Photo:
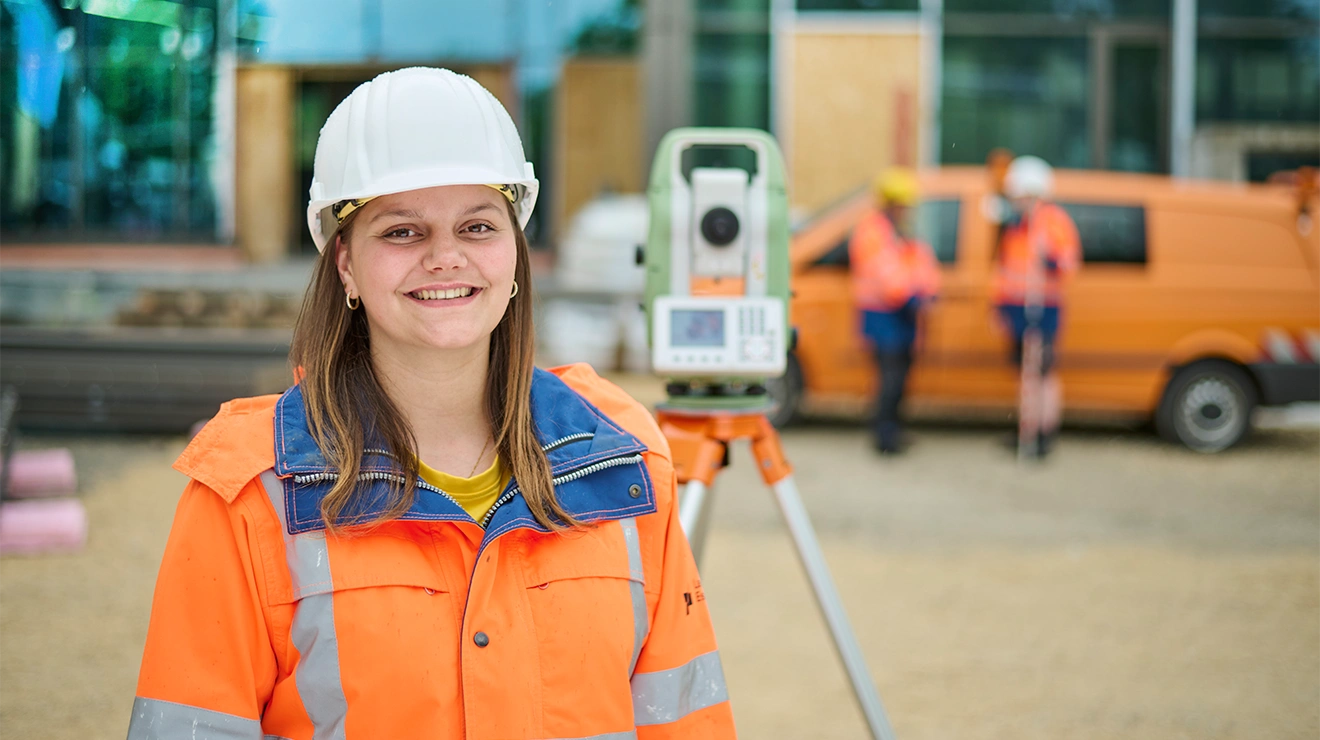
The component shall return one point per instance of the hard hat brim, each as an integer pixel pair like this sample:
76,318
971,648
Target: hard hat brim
324,227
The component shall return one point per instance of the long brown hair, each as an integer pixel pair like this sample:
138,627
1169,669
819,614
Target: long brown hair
346,404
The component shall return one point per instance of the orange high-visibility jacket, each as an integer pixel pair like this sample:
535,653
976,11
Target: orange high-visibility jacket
431,626
886,270
1057,242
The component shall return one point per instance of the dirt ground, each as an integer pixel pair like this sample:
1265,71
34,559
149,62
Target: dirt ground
1125,589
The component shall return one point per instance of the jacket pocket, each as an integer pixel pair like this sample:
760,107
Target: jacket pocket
588,607
369,617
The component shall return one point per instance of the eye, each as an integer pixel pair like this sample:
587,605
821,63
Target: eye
403,232
480,227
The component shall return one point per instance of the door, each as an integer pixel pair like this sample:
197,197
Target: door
975,369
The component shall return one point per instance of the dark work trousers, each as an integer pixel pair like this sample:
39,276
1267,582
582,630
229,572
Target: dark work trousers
887,422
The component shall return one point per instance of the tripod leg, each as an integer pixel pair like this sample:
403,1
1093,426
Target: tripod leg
813,561
1029,403
694,515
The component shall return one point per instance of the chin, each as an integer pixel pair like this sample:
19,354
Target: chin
453,341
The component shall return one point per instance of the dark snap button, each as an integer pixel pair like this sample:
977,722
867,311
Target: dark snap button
481,639
634,490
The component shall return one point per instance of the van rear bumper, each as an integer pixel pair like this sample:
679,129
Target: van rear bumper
1282,383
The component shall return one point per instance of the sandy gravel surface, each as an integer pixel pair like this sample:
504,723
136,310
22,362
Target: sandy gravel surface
1124,590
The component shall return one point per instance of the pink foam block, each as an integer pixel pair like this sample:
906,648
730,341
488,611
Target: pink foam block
42,473
50,525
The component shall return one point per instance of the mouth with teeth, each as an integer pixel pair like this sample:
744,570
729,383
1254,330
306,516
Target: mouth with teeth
452,294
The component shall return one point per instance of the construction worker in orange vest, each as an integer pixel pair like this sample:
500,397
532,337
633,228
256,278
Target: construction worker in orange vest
1038,251
427,536
894,278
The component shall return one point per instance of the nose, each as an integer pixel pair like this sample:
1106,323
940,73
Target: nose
444,252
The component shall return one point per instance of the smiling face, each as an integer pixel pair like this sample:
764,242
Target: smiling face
434,268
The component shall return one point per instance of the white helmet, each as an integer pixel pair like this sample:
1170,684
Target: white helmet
1029,177
411,129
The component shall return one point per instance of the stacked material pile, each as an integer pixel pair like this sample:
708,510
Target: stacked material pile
594,316
38,510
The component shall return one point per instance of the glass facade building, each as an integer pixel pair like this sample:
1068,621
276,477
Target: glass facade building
1086,83
118,118
107,118
731,63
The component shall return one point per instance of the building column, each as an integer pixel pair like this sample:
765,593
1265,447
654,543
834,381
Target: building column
932,82
224,118
667,51
1182,113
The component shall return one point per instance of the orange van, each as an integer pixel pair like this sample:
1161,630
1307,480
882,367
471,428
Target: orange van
1196,302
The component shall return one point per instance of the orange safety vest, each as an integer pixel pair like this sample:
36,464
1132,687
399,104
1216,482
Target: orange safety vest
431,625
886,270
1057,241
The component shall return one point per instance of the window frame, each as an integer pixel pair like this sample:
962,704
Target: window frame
1068,205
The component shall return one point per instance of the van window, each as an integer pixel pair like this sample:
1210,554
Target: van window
836,257
1110,234
937,225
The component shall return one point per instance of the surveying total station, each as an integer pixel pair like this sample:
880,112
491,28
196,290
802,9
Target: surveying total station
717,289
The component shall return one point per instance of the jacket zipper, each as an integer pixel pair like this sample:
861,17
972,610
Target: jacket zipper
508,495
396,478
568,477
371,475
565,440
572,475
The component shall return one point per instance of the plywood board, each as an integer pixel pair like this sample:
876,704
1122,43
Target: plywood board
598,133
854,107
265,227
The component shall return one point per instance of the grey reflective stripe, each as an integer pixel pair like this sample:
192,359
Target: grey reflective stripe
313,632
309,566
153,718
637,586
668,696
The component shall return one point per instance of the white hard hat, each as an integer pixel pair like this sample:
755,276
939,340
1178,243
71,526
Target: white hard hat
411,129
1029,177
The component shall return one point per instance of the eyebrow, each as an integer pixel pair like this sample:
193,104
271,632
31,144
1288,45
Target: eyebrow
478,209
412,214
399,212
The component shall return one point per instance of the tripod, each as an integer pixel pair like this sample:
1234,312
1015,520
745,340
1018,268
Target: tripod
699,437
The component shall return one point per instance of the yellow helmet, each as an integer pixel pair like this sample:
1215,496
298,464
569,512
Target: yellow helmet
896,186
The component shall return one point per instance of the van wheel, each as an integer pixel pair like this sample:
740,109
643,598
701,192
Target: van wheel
786,392
1207,406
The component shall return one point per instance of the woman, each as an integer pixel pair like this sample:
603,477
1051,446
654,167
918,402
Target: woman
340,565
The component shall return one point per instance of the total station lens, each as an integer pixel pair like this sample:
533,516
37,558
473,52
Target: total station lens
719,226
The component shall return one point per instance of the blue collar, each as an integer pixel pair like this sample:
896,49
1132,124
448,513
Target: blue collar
586,449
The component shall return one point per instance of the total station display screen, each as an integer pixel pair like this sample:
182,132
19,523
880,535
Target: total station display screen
689,328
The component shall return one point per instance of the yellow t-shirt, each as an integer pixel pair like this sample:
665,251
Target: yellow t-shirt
476,494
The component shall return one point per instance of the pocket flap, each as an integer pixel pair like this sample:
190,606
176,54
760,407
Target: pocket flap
597,552
389,556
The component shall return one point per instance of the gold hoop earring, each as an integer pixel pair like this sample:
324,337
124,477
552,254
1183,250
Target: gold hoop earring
515,289
348,298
